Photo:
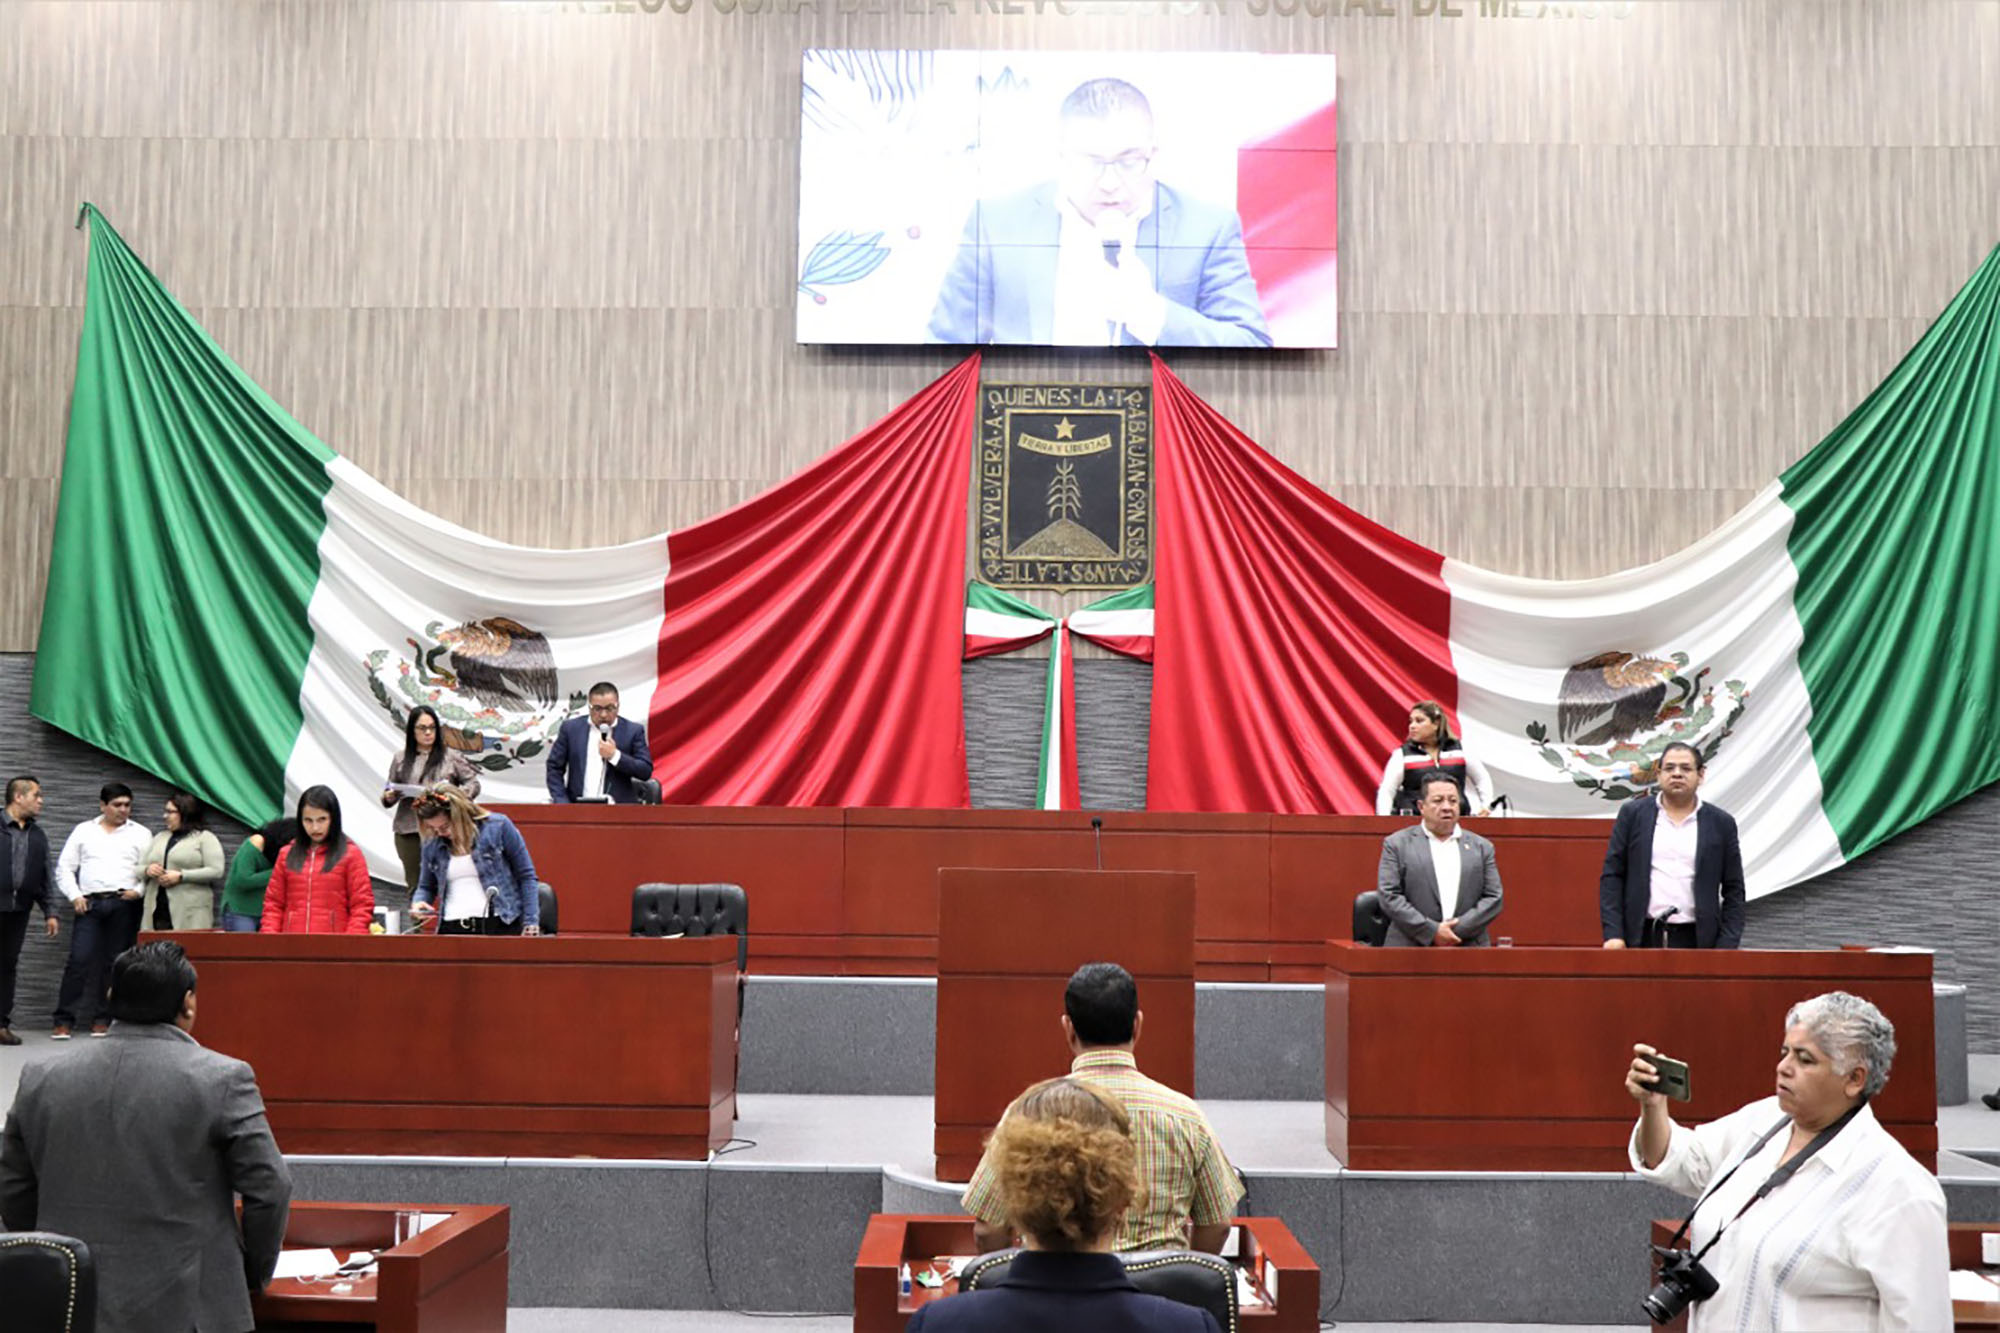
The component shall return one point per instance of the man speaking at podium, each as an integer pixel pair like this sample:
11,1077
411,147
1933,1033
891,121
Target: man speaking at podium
1673,874
600,757
1438,882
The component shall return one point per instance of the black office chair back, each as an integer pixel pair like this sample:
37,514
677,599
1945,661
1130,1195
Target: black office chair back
1371,923
1187,1276
547,897
694,909
49,1283
647,790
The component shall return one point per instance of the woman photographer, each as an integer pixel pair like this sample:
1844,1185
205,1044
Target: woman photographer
1853,1237
1067,1171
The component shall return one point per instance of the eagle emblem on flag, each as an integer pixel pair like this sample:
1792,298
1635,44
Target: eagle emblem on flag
1618,712
492,682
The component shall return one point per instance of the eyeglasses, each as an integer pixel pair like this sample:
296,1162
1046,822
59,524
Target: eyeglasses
604,708
1124,166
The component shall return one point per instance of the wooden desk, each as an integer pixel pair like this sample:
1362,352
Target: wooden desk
451,1278
1514,1059
854,892
551,1047
1290,1277
1008,941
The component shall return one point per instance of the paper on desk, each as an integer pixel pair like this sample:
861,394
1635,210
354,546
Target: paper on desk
306,1263
1967,1285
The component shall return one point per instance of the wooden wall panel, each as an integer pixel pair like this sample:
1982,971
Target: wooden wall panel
531,263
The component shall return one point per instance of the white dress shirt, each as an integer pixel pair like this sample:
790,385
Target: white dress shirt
1855,1240
99,860
599,771
1445,854
1673,864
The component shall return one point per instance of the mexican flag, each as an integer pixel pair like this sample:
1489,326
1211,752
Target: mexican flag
1833,650
237,608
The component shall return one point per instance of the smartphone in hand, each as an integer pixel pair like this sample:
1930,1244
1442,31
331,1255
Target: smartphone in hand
1673,1080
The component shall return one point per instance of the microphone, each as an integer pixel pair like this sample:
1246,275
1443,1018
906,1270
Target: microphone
604,731
1097,835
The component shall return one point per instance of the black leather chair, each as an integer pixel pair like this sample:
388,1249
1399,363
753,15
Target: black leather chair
648,791
1371,923
696,909
49,1283
1188,1276
547,898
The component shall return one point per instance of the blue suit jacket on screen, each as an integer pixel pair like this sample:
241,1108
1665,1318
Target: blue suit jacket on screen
576,742
1001,287
1061,1291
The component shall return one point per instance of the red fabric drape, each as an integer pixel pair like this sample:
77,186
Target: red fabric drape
1291,634
810,652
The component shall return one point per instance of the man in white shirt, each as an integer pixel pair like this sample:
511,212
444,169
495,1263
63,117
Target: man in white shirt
1673,872
100,873
1438,883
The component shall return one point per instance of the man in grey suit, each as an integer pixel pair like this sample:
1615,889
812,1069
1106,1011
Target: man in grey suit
138,1146
1438,883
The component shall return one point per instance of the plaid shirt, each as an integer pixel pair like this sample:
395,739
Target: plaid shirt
1183,1177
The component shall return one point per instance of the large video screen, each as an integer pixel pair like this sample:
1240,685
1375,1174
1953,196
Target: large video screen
1067,198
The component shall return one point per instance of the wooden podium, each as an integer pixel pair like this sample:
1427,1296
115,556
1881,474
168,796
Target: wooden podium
450,1278
1514,1059
1008,941
413,1045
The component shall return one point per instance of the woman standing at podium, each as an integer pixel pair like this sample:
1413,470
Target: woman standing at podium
476,873
1067,1170
424,761
1431,746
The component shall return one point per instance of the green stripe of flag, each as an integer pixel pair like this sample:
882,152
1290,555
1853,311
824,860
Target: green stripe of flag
175,632
1897,545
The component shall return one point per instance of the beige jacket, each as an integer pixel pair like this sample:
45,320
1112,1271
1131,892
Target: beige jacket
192,901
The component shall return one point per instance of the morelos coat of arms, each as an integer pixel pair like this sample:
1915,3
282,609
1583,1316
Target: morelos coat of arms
492,682
1619,711
1065,486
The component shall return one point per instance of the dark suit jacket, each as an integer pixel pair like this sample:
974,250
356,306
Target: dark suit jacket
137,1145
1001,287
576,744
38,885
1044,1290
1627,882
1407,883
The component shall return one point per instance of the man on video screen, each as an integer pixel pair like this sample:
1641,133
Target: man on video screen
1104,255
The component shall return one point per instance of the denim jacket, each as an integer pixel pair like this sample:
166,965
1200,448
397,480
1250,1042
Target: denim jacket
502,858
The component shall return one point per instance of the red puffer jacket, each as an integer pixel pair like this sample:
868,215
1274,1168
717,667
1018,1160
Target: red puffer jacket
315,900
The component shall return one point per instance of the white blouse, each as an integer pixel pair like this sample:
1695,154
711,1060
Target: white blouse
1854,1241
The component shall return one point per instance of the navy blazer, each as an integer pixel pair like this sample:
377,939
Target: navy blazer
1047,1290
1626,885
576,743
1001,286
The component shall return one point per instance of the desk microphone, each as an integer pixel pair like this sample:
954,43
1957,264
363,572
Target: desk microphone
1097,836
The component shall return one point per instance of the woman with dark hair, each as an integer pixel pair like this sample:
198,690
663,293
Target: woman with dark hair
250,873
1067,1171
424,762
1431,747
319,881
477,875
183,868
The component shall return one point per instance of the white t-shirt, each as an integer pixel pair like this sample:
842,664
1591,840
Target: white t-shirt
464,895
1854,1240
